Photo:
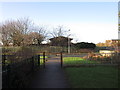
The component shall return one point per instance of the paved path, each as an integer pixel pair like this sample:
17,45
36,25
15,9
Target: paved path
50,77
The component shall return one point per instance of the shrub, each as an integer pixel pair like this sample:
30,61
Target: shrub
23,53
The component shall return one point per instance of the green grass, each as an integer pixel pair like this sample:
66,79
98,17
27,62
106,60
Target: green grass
41,59
78,60
93,77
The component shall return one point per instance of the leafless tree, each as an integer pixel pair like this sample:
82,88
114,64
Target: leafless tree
18,32
7,32
40,33
33,38
25,25
59,31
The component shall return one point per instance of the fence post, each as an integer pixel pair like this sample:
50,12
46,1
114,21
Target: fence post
44,59
32,63
111,57
61,58
3,60
38,60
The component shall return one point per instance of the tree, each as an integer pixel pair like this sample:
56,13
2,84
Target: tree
59,31
7,30
107,43
35,38
41,34
13,31
100,44
85,45
18,32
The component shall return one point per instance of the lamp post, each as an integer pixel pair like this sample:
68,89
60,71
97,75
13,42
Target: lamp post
69,42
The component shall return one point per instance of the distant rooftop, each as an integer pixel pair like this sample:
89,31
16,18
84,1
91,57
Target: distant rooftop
60,37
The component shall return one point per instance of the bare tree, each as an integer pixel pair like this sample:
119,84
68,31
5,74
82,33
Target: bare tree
11,33
41,33
59,31
7,31
25,25
18,32
34,38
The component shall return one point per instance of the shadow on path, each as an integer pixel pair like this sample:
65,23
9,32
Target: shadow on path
50,77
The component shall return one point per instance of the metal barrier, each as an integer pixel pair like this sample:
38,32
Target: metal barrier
14,73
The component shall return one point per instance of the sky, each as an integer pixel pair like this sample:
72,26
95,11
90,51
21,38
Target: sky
88,21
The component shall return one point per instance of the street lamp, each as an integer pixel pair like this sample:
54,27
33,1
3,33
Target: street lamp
69,42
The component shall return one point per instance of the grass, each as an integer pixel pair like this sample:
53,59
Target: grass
41,59
93,77
78,60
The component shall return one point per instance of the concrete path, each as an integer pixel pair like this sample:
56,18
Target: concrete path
51,77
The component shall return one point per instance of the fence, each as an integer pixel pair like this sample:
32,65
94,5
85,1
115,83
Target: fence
84,59
15,73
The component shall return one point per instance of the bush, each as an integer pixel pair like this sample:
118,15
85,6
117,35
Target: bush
17,54
116,58
85,45
9,50
85,50
22,54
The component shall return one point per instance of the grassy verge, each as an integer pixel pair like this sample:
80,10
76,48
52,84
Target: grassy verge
41,59
94,77
78,60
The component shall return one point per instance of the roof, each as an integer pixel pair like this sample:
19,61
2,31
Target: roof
60,37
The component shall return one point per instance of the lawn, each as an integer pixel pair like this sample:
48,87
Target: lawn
92,77
41,59
78,60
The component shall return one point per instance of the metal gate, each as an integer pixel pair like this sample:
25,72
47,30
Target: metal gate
52,57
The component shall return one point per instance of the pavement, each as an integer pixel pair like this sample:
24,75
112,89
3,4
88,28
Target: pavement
52,76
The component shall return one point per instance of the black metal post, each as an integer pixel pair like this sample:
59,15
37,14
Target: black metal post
38,60
44,59
3,59
61,58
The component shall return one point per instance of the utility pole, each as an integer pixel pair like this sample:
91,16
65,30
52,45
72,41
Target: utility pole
69,43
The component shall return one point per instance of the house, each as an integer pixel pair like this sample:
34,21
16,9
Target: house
113,44
116,44
60,41
106,52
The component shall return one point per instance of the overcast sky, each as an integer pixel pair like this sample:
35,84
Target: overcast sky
88,21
